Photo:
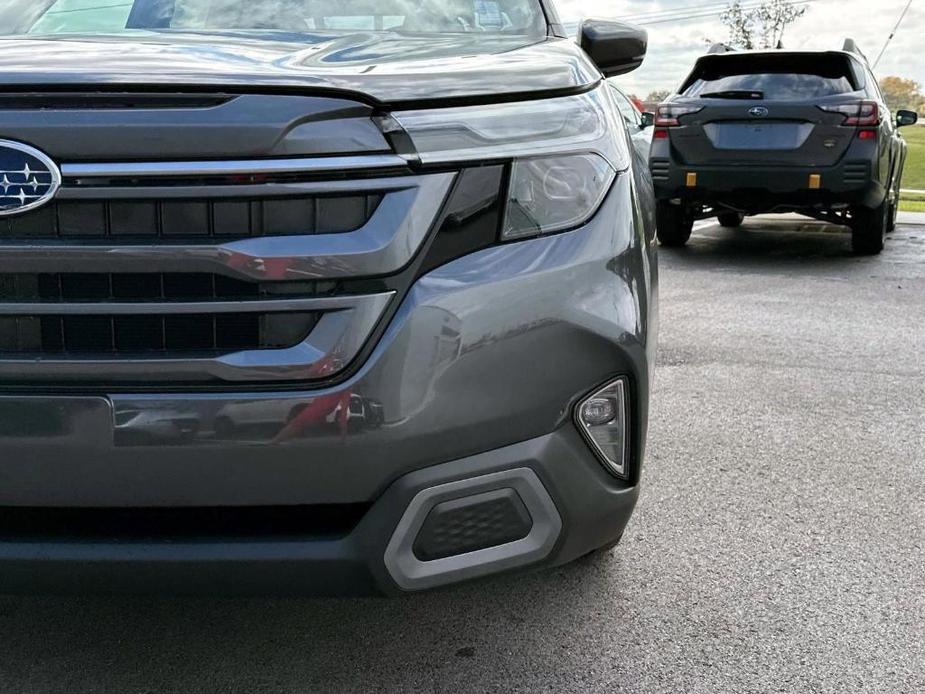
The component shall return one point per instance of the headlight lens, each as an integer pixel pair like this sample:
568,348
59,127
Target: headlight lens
554,193
565,153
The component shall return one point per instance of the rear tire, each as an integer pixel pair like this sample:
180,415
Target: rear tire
894,208
730,220
869,227
674,224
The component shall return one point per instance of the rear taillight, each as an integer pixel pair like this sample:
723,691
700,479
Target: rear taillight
864,113
668,115
867,135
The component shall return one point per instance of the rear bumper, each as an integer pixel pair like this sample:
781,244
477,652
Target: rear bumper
590,507
484,353
762,189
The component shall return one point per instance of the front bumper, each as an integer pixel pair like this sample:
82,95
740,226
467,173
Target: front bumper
594,511
485,352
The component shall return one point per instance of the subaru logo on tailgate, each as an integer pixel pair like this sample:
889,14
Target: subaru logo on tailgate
28,179
758,112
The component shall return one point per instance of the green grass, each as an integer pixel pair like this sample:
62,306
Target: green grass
912,202
914,177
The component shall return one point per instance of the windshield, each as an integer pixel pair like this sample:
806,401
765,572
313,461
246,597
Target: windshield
43,17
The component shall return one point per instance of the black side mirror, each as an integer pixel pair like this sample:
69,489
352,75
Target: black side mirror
648,119
616,48
904,118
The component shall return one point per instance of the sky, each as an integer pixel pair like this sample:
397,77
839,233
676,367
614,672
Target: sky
673,46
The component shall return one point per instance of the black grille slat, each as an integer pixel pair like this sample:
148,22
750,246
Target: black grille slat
155,272
162,335
69,287
192,220
139,334
150,334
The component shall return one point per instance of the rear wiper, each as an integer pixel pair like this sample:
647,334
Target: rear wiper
733,94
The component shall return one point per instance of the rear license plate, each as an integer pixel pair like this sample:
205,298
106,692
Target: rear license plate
758,136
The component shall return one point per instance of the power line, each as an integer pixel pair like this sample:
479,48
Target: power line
701,12
693,15
892,33
717,6
697,12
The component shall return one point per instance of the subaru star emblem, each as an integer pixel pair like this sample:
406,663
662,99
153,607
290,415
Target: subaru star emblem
758,112
28,178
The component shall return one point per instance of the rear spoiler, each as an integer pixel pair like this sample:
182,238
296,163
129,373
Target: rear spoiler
851,46
720,48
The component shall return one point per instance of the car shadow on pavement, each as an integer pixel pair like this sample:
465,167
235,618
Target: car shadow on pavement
770,243
467,638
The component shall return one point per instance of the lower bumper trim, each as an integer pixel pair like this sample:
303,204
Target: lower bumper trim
575,507
410,573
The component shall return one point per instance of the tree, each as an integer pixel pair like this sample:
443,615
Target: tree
761,27
902,93
658,96
741,26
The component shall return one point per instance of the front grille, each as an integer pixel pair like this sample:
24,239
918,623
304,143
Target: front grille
177,335
209,273
150,287
103,334
178,220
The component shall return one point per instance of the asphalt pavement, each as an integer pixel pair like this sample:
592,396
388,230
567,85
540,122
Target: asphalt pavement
779,544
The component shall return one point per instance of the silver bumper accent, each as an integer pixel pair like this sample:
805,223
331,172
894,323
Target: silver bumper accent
384,245
314,165
329,348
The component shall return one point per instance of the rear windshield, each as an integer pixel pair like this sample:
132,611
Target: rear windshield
773,77
42,17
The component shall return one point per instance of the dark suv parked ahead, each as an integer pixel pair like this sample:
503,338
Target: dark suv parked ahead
779,131
315,295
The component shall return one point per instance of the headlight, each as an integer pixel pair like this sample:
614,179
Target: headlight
565,153
555,193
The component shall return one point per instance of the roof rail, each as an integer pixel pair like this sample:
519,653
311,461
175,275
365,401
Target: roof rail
720,48
851,46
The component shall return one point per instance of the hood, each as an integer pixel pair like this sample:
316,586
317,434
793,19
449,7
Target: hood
384,67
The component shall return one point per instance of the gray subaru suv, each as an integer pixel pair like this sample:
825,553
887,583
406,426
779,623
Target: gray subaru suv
315,296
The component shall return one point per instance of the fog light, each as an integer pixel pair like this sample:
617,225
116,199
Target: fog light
598,412
602,420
